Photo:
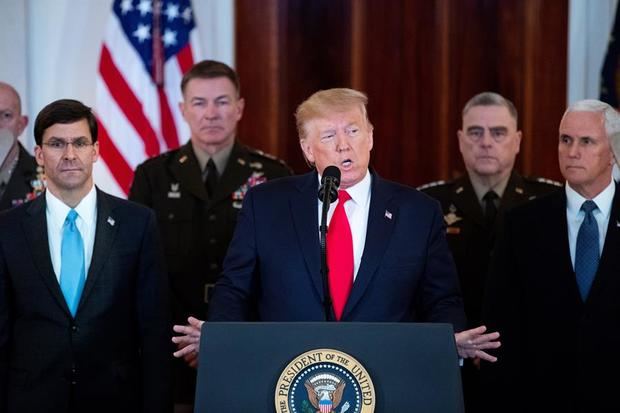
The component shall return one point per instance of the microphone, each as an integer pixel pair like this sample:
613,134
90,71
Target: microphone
330,181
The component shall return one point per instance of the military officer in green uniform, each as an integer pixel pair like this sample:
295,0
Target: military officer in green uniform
21,180
197,192
473,204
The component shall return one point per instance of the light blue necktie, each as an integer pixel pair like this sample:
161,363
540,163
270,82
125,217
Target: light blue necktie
587,251
72,272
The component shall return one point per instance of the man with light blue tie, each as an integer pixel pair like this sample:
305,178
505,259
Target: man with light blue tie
555,284
84,315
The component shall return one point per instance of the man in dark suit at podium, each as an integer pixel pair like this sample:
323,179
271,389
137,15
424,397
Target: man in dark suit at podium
555,278
392,260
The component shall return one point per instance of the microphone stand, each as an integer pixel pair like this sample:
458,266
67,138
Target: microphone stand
327,298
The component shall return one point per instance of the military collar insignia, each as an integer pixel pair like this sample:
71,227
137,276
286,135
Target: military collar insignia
182,159
459,190
111,221
519,190
241,161
174,192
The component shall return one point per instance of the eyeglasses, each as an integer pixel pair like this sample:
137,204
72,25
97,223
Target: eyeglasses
59,145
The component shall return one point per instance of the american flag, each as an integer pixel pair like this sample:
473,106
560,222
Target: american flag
147,46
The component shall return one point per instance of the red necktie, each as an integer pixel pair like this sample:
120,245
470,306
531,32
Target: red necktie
340,256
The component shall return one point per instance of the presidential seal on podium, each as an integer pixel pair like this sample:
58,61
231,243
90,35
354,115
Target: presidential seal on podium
324,381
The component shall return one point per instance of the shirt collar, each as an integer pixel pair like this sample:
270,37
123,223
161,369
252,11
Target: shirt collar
603,200
220,159
86,209
480,189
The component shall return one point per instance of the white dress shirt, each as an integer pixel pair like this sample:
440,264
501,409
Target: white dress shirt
357,209
575,216
56,212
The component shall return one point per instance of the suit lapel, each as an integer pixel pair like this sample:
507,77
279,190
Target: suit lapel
465,200
105,232
513,194
609,264
381,217
555,239
35,229
185,168
305,220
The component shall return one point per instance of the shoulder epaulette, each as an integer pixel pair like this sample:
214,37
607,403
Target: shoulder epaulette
431,185
546,181
265,155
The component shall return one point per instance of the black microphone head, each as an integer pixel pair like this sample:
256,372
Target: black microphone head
331,180
331,172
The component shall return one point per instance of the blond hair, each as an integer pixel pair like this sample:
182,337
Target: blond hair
323,102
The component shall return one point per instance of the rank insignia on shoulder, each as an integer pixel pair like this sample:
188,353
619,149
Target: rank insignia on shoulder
548,181
430,185
453,230
174,192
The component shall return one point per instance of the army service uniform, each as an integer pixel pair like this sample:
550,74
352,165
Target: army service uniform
471,244
196,230
26,181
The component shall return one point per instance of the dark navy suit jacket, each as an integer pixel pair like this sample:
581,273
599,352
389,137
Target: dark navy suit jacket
406,273
559,353
114,355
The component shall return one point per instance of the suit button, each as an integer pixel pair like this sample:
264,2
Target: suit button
213,266
75,328
171,216
212,217
212,241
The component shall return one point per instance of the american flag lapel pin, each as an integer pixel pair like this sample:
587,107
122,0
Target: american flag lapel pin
111,221
388,214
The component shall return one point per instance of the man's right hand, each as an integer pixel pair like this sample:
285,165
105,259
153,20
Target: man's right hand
188,343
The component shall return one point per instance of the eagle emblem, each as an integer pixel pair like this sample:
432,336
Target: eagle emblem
325,392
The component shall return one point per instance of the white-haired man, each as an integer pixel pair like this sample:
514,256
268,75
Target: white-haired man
554,281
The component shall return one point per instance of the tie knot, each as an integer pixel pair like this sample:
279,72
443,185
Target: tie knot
589,206
343,196
211,167
71,216
490,196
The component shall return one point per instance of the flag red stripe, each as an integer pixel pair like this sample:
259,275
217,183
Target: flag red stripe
185,58
117,165
168,128
127,101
